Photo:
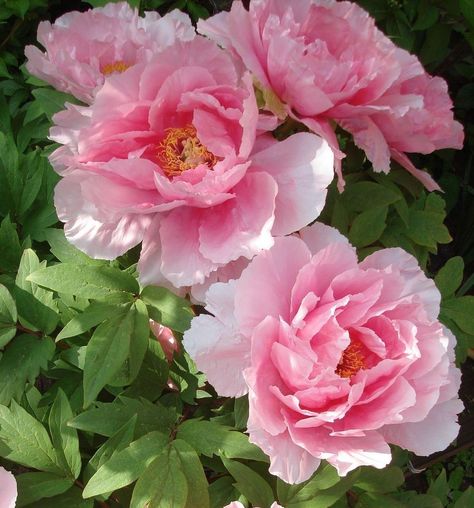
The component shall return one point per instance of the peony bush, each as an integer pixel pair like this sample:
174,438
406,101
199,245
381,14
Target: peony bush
220,283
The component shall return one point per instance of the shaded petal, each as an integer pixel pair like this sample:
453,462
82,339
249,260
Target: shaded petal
182,263
240,226
264,287
302,166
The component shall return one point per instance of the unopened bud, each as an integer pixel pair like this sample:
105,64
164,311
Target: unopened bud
166,339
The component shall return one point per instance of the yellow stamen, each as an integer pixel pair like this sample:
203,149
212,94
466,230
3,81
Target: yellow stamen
181,150
112,68
352,360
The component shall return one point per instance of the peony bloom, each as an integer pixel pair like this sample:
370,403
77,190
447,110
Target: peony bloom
324,61
8,489
166,339
82,48
339,358
168,155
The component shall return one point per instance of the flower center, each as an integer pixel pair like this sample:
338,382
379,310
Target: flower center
112,68
352,360
181,150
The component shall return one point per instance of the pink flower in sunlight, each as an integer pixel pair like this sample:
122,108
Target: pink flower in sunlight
339,358
8,489
324,61
82,48
173,153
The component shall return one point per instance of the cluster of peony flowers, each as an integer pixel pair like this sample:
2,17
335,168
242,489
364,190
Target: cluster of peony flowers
173,149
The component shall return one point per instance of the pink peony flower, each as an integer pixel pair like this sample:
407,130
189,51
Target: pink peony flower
339,358
168,154
166,338
324,60
8,489
82,48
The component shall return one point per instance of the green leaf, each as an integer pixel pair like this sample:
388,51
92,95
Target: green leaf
428,15
117,442
449,278
38,220
64,438
324,478
241,412
94,314
24,440
427,228
363,196
107,418
125,466
138,345
196,11
368,227
10,249
66,252
33,166
35,486
436,44
461,311
162,485
467,9
424,501
70,499
466,500
11,182
153,374
123,337
210,438
374,500
249,483
51,101
34,314
380,480
222,492
167,308
198,495
439,488
8,316
21,362
37,307
96,282
327,497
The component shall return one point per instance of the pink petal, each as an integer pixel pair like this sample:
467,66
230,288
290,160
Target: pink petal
240,226
416,284
219,353
302,166
100,233
182,263
435,433
8,489
264,287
